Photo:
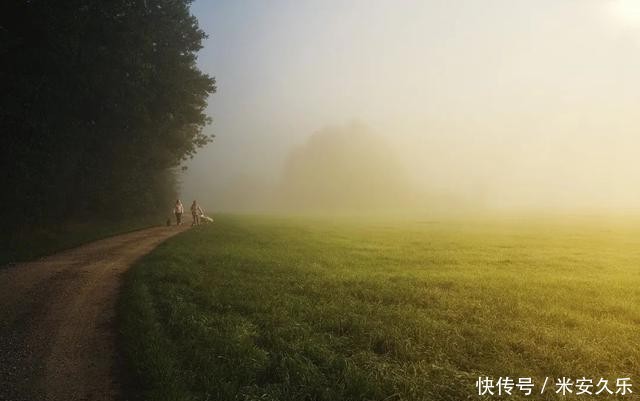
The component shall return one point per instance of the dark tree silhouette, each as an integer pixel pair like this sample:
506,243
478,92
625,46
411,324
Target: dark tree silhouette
100,101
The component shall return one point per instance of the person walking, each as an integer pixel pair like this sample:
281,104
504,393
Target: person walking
178,210
196,212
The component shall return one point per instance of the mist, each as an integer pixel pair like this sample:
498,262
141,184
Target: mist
384,105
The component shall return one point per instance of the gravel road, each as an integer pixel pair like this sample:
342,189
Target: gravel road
57,315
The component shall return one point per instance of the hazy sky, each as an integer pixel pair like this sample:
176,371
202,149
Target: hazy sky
509,103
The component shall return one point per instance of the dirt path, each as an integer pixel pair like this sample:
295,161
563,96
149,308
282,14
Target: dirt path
57,334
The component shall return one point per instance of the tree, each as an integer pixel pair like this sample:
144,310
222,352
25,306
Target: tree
100,102
347,168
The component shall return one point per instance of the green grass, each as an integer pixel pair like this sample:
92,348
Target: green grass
33,242
257,308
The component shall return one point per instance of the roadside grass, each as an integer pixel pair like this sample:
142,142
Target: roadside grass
34,242
266,308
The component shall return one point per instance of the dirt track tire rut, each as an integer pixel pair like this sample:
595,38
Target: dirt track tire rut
57,320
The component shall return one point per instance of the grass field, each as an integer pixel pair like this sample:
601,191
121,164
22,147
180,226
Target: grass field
260,308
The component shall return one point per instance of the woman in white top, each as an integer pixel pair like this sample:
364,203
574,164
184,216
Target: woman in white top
196,212
178,210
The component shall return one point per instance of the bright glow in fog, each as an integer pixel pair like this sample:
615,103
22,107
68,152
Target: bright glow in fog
497,104
627,11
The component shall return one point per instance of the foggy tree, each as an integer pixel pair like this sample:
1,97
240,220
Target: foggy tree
100,102
345,167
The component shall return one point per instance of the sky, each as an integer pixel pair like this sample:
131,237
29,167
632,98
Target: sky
516,104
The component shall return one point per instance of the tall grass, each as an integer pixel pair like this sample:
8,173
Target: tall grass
255,308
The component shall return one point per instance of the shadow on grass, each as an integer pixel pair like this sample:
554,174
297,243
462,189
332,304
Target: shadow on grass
33,242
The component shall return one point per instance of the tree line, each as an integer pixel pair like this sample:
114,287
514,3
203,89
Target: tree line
101,104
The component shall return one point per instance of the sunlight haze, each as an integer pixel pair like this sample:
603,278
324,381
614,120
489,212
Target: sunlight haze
498,104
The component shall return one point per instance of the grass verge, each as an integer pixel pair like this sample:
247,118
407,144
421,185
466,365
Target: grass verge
35,242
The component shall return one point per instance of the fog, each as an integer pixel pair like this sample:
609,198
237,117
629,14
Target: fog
382,105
